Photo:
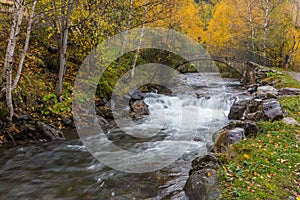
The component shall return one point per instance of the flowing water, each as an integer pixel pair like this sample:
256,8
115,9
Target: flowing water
66,170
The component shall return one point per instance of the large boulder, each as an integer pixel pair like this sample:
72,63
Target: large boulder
272,110
136,96
138,108
237,109
202,183
250,127
224,138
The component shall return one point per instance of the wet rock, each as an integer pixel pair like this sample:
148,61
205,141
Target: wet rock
236,135
289,91
252,88
50,131
290,121
272,110
267,90
136,96
202,183
199,95
256,116
237,109
249,126
138,110
209,146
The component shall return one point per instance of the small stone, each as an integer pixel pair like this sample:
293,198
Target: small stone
267,90
290,121
289,91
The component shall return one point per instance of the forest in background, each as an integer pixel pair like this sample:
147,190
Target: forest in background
43,43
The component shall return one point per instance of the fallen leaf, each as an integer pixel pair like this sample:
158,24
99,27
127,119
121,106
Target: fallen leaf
246,156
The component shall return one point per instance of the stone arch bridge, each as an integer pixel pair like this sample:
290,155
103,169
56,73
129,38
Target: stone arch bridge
244,62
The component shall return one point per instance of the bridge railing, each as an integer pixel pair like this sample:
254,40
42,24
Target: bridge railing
241,55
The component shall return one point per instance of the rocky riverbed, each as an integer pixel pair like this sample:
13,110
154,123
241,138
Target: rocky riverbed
262,106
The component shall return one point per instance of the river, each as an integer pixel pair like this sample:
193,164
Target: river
66,170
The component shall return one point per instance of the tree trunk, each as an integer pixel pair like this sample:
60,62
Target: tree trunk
65,17
265,28
17,78
8,63
250,18
140,41
296,25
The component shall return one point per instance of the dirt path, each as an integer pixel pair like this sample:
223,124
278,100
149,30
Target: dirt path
295,75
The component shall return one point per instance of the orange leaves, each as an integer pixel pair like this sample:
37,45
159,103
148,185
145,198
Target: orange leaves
14,128
2,139
208,174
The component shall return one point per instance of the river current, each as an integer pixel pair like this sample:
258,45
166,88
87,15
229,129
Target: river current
66,170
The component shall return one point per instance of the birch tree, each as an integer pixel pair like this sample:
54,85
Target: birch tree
294,32
268,7
140,40
7,76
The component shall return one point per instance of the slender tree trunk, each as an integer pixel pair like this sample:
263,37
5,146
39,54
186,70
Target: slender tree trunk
65,17
17,78
8,63
296,25
140,40
14,31
249,10
265,28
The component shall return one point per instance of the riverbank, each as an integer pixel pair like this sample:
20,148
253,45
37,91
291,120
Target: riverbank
266,166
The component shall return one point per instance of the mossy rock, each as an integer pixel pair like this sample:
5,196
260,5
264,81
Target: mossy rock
222,142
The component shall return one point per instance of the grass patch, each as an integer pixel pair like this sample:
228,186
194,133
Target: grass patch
292,105
268,166
283,79
265,167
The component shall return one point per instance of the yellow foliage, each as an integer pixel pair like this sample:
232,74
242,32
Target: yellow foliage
183,16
